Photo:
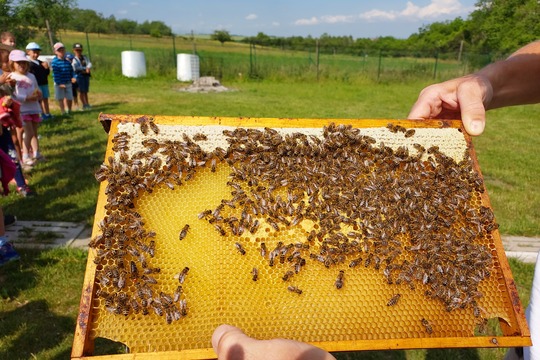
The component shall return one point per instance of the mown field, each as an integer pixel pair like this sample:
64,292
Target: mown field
40,294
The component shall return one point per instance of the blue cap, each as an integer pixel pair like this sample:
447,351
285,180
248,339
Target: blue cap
33,46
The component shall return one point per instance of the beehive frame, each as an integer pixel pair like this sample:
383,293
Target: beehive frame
514,327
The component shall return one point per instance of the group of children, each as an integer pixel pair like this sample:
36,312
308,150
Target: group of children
24,104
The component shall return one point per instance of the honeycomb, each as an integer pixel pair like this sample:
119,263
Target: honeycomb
356,280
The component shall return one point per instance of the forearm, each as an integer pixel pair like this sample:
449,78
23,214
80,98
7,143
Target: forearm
515,81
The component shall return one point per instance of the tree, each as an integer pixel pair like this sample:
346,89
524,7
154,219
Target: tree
52,15
36,12
221,36
502,26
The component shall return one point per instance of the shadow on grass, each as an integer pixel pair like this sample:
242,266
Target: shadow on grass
429,354
27,323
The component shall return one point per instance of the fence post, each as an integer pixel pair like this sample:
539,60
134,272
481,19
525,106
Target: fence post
174,49
88,46
380,65
317,58
436,64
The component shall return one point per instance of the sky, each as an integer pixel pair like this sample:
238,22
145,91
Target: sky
359,19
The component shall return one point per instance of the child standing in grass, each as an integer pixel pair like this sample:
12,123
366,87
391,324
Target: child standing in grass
28,94
63,78
41,71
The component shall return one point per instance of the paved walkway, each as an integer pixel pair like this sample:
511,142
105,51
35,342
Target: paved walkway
49,234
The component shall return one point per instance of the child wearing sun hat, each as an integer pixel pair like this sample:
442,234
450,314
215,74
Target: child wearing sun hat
41,71
28,94
63,77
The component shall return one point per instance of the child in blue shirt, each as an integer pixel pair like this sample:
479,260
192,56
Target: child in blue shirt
63,77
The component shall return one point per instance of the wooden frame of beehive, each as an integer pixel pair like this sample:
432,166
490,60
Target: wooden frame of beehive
514,327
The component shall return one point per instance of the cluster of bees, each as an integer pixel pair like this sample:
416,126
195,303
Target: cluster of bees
414,215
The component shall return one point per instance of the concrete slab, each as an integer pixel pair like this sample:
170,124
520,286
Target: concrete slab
49,234
43,234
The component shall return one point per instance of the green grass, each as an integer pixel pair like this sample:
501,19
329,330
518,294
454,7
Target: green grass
39,296
75,147
39,299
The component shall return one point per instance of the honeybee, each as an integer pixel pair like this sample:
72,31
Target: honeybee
133,270
204,214
427,326
368,260
135,305
183,232
220,230
177,293
121,280
355,262
409,133
288,275
144,128
200,137
255,273
272,223
393,300
254,226
183,307
339,280
168,316
157,308
264,251
294,289
240,248
181,276
148,279
153,126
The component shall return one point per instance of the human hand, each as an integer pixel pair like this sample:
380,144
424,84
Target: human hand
463,98
45,64
7,101
6,78
230,342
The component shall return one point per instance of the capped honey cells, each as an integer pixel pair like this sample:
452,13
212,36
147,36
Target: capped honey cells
303,214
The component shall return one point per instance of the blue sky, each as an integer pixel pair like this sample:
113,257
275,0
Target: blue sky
398,18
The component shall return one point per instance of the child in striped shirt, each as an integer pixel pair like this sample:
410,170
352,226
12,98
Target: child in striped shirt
63,77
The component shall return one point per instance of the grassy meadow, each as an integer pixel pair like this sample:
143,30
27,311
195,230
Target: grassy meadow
39,296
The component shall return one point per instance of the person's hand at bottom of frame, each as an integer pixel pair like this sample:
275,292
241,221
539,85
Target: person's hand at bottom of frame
230,343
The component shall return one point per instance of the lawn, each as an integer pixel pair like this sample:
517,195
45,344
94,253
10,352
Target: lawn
39,295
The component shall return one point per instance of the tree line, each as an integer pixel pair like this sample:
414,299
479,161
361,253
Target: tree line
495,27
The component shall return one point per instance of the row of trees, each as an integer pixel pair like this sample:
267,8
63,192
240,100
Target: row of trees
496,26
26,18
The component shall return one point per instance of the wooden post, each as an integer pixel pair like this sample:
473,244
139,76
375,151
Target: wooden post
50,33
317,58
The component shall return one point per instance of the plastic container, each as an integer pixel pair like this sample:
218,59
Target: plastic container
133,64
187,67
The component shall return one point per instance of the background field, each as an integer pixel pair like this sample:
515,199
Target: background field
42,291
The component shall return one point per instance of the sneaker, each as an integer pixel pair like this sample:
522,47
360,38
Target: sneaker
7,253
39,158
28,162
46,117
25,191
9,220
87,107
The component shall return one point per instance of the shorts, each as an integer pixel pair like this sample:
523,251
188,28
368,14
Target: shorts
31,118
84,83
45,91
63,93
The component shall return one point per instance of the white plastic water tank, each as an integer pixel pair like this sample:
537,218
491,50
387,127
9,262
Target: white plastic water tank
187,67
133,64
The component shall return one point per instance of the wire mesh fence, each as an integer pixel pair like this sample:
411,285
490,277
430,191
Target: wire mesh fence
234,60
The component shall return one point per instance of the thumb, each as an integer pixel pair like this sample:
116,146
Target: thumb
471,97
224,338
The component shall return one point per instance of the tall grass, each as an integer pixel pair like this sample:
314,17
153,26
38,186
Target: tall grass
233,61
